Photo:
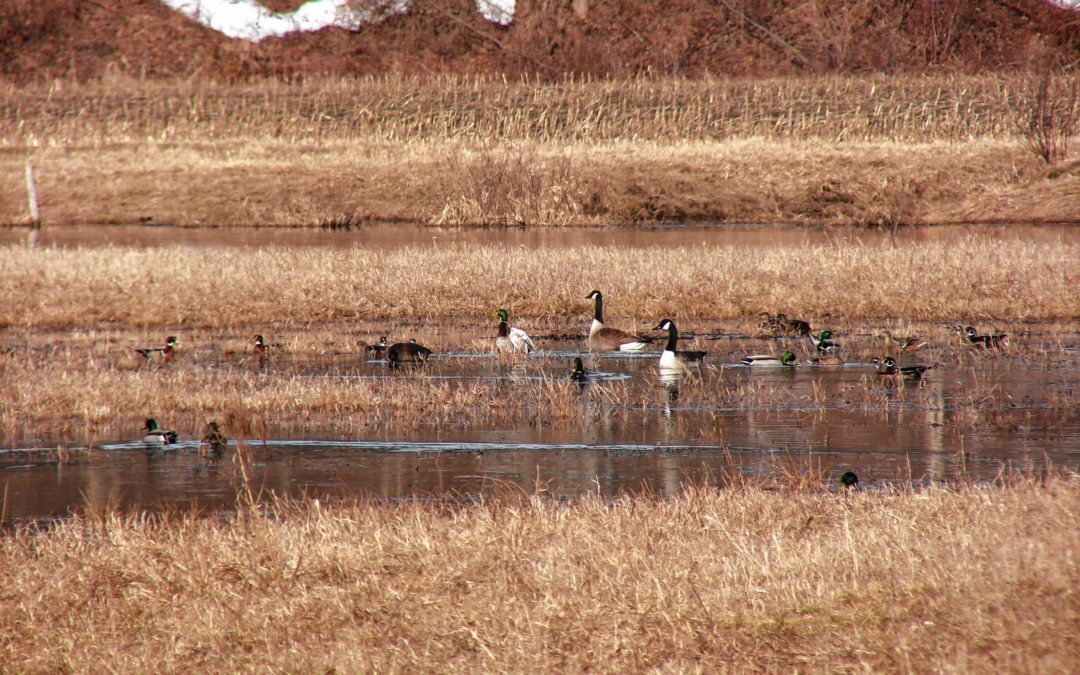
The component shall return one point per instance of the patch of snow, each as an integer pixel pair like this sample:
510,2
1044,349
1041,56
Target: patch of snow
250,20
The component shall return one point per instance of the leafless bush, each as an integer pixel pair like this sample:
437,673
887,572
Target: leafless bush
1052,119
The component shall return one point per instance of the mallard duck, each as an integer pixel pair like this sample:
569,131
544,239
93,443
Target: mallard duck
787,359
611,339
673,357
791,326
407,352
166,352
832,360
155,436
511,339
823,343
579,374
849,480
900,343
887,367
213,439
988,341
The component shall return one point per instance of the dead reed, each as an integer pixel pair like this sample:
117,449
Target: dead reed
976,579
174,287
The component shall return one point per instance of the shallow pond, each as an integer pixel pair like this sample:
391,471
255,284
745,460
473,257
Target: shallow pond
632,428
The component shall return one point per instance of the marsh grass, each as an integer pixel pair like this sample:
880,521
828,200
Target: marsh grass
972,276
743,578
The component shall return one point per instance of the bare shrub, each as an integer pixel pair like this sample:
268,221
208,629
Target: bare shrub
1051,121
515,187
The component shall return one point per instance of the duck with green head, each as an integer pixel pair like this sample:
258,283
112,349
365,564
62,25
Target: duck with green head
785,360
823,343
157,437
511,339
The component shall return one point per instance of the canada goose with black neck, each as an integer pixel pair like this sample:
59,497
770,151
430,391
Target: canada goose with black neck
611,339
672,357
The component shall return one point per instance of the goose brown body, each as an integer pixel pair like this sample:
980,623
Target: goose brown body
606,338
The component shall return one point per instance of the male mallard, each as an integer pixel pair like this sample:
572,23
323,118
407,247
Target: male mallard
672,357
511,339
407,352
611,339
155,436
900,343
988,341
823,343
849,480
887,367
579,374
213,439
166,352
791,326
787,359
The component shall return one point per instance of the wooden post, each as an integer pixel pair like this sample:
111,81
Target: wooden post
31,195
34,238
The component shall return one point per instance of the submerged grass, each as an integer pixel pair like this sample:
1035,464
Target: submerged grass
975,579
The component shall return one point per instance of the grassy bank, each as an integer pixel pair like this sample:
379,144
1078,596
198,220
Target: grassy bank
978,579
176,287
870,151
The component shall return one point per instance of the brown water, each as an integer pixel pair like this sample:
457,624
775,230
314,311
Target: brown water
975,416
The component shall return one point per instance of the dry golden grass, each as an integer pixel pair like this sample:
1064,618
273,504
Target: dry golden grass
981,579
173,288
869,151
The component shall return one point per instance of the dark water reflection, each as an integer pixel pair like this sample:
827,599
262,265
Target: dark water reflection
968,421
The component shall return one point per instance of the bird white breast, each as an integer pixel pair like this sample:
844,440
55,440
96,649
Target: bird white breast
596,325
668,359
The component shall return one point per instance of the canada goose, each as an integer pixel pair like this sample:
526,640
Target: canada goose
768,360
511,339
988,341
155,436
611,339
213,440
791,326
900,343
672,357
165,353
887,367
407,352
823,343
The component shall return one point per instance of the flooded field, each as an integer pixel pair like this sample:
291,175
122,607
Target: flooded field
484,424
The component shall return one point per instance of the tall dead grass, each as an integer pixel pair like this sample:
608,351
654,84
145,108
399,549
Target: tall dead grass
173,287
977,579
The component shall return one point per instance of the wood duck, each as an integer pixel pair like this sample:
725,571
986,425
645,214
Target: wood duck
261,347
377,350
887,366
900,343
787,359
155,436
988,341
511,339
611,339
165,353
673,357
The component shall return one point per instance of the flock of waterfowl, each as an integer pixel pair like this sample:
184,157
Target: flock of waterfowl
510,339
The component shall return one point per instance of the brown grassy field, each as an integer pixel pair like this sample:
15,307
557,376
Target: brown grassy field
877,151
977,579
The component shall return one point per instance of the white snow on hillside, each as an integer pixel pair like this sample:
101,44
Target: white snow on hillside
250,20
